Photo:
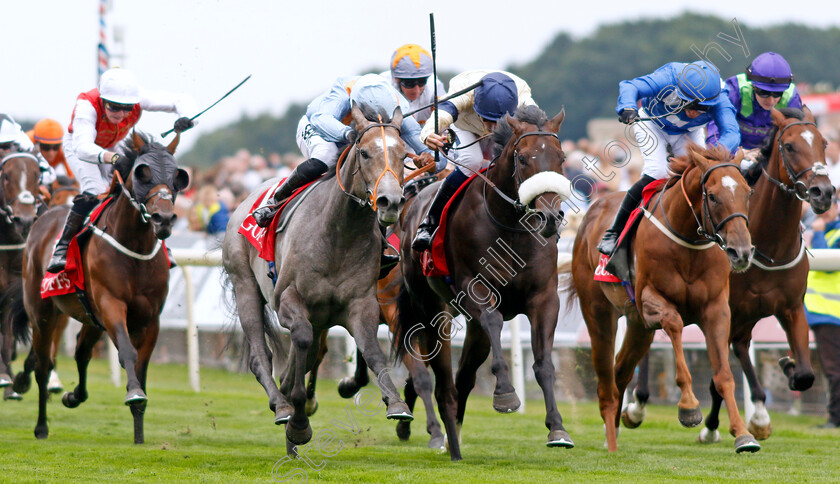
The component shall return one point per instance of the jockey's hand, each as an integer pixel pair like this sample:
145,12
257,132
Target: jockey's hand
182,124
752,155
435,141
424,159
110,157
628,116
351,135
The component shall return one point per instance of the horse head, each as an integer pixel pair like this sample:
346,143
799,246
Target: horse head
533,159
800,148
724,203
154,181
19,191
378,155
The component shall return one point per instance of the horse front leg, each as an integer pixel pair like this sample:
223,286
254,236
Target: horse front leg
800,373
114,313
759,424
419,383
542,313
293,315
6,349
41,345
634,348
715,326
145,345
657,311
311,399
85,341
363,321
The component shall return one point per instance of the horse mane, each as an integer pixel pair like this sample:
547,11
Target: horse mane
372,114
767,144
530,114
677,165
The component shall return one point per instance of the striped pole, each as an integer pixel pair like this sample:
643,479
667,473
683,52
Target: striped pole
104,57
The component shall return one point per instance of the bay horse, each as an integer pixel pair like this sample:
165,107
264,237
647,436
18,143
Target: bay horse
678,280
794,171
327,264
20,202
126,276
501,251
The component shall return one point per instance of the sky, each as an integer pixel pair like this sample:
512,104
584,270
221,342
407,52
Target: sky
295,49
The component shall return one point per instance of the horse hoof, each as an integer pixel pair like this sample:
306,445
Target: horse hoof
283,414
5,380
298,436
760,432
135,397
54,384
22,383
746,443
404,430
399,411
691,417
437,443
12,395
69,400
311,406
628,421
41,432
347,387
708,436
506,402
559,438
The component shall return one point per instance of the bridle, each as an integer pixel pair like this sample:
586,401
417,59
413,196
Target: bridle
706,239
371,193
25,197
164,193
799,188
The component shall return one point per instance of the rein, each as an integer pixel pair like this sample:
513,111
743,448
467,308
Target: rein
371,201
799,188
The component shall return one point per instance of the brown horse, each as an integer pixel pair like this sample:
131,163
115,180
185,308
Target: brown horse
20,201
678,281
502,255
126,276
793,158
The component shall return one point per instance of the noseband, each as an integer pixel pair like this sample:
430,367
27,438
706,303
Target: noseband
371,194
162,193
799,189
25,197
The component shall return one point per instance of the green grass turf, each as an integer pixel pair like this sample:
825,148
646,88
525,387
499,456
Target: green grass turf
226,434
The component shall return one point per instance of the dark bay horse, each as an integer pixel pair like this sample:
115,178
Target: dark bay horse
327,264
20,201
126,276
502,255
678,280
793,158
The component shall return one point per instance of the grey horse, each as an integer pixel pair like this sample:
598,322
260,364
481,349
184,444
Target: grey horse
326,262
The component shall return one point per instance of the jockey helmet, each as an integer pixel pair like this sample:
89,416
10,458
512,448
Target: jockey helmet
496,96
9,129
771,72
377,93
48,131
119,86
411,61
699,81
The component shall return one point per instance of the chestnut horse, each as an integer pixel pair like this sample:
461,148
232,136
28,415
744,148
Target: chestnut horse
678,280
327,263
794,170
126,276
502,255
19,206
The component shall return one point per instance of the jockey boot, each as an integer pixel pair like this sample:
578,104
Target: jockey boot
423,239
82,205
630,202
304,173
387,262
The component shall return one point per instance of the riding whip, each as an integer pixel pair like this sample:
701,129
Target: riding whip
434,72
445,98
163,135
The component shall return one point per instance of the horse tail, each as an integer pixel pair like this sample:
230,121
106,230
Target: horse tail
13,312
567,284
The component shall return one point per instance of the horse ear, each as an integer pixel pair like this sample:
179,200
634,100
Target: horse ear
182,179
738,157
809,116
174,144
397,118
143,173
513,123
359,117
695,154
137,140
554,125
778,117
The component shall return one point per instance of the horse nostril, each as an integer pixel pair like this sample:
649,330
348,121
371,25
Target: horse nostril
383,202
157,218
815,193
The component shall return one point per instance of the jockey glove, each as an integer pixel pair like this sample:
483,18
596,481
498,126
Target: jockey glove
182,124
351,135
628,116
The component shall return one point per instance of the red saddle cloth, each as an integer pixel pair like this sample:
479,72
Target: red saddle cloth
601,273
72,279
434,259
262,238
